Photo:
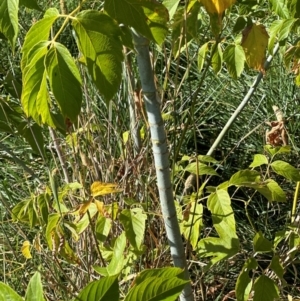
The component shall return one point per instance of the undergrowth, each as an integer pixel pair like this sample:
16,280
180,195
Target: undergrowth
98,147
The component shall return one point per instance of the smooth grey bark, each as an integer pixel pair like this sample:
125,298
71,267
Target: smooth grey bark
161,159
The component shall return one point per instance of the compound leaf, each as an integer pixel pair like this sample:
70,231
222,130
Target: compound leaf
9,20
149,18
65,81
98,38
234,57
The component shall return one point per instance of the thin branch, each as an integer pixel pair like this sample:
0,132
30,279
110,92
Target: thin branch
243,103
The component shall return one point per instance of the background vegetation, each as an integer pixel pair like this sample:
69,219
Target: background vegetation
46,171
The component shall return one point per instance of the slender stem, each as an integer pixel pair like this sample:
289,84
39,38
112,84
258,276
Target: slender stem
243,103
161,159
68,17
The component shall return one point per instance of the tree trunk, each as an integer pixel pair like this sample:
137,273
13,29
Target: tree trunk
161,159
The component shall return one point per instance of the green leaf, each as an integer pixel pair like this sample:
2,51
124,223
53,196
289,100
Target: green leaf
277,267
65,81
165,273
294,7
282,28
271,190
234,57
202,55
103,226
285,29
101,290
259,160
294,243
43,201
297,80
34,291
84,222
99,42
277,150
280,8
32,4
134,222
171,6
243,177
37,33
217,249
200,169
240,24
155,288
35,99
219,204
286,170
25,211
19,212
126,37
279,236
217,59
117,262
8,294
244,282
192,227
261,244
265,289
224,223
207,159
73,230
149,18
67,252
9,20
53,221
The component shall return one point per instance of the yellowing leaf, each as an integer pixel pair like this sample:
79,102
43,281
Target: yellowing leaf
202,56
100,188
125,136
217,6
37,244
100,207
255,42
83,208
26,249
